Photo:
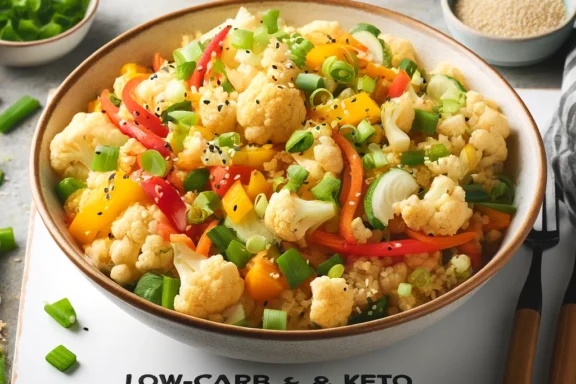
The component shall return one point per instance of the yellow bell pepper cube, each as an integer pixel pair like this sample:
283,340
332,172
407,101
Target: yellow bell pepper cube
348,111
468,158
134,69
94,106
319,53
377,70
254,157
205,132
236,202
257,185
103,207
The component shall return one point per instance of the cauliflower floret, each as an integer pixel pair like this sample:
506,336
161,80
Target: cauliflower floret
453,144
449,166
422,260
241,77
72,204
321,31
391,277
492,145
119,84
270,112
191,157
360,232
218,110
452,126
152,91
442,211
451,70
328,154
243,20
129,155
483,114
289,217
400,48
99,254
71,150
278,68
209,285
406,112
332,302
157,255
324,156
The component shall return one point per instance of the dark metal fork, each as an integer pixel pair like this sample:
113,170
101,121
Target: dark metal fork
543,236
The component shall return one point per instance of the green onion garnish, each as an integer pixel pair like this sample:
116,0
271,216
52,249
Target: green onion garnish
409,66
191,52
296,177
17,112
299,48
261,39
338,70
149,287
404,289
424,122
185,105
260,205
475,193
281,35
185,118
170,288
67,187
320,96
185,70
235,315
242,38
419,278
228,139
412,158
376,158
365,27
62,311
438,151
366,84
299,141
105,158
364,131
325,267
153,162
61,358
7,241
294,267
506,208
309,82
208,201
336,271
504,192
256,243
221,237
327,189
374,310
276,182
197,215
237,253
196,180
1,177
274,319
346,93
116,101
270,20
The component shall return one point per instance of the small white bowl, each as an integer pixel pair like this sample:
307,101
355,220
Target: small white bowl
510,51
37,52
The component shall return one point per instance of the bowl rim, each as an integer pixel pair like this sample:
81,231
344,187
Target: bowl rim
87,17
449,14
97,277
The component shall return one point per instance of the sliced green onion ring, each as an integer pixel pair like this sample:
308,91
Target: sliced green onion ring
221,237
196,180
364,131
404,289
242,39
238,254
336,271
327,189
413,158
424,121
62,311
270,20
376,158
320,96
420,277
274,319
409,66
7,240
260,205
149,287
61,358
261,39
170,288
105,158
299,141
296,177
294,267
366,84
67,187
325,267
256,243
309,82
438,151
346,93
153,162
208,201
228,139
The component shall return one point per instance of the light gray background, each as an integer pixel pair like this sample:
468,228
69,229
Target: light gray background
113,18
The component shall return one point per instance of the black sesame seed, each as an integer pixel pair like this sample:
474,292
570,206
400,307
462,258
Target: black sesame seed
257,101
248,51
98,152
389,248
335,106
99,213
206,159
106,190
274,66
235,208
206,102
366,110
274,78
86,329
136,113
353,100
277,45
220,106
266,303
466,118
110,235
185,94
125,177
227,102
103,111
112,176
137,123
223,161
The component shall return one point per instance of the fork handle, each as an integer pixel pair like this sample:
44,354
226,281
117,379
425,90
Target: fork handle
564,358
522,347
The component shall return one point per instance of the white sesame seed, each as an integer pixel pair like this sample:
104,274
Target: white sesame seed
351,203
358,194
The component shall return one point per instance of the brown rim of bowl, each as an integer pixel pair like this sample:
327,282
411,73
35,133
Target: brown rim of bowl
88,16
503,255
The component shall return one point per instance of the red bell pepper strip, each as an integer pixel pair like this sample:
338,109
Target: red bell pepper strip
474,251
399,84
157,62
141,115
445,241
143,135
197,78
222,178
167,199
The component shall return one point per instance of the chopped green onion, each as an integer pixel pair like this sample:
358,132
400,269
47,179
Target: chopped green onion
7,241
451,106
338,70
196,180
366,84
365,27
346,93
61,358
281,35
242,38
228,139
438,151
170,288
270,20
364,131
185,118
506,208
237,253
185,105
1,177
294,267
197,215
326,266
105,158
185,70
475,193
221,237
336,271
62,311
256,243
387,54
349,132
67,187
299,48
374,310
327,189
408,66
299,141
2,367
320,96
375,159
276,182
274,319
149,287
116,101
420,277
208,201
191,52
235,315
153,162
296,177
261,39
404,289
504,192
260,205
424,122
17,112
309,82
412,158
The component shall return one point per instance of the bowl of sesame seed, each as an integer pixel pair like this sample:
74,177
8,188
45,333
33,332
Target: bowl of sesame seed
510,32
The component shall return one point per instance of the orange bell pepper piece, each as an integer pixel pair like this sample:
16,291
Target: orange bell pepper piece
319,53
254,158
204,244
236,202
348,39
264,281
498,220
444,241
377,70
348,111
474,250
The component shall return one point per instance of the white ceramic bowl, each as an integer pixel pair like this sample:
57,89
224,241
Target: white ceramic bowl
163,35
510,51
37,52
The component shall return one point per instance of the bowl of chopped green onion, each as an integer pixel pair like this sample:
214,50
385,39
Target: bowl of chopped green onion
35,32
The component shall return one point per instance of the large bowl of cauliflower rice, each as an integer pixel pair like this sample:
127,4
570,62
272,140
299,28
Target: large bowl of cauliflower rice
275,185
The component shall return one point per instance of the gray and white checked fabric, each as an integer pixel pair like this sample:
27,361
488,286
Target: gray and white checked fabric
560,139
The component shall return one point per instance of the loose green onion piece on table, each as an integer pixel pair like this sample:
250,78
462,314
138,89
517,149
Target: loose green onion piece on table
191,52
424,121
438,151
185,118
61,358
364,131
299,141
17,112
221,237
404,289
237,253
1,177
419,278
274,319
261,39
336,271
374,310
270,20
327,189
170,288
326,266
408,66
2,367
365,27
149,287
346,93
67,187
309,82
153,162
196,180
506,208
366,84
320,96
228,139
294,267
260,205
241,38
475,193
7,241
413,158
376,158
256,243
105,158
62,311
185,70
297,175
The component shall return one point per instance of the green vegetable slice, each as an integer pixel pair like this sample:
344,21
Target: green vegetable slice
228,139
365,27
408,66
506,208
62,311
105,158
294,267
296,177
270,20
274,319
376,158
438,151
170,288
17,112
424,121
299,141
309,82
374,310
413,158
237,253
7,241
61,358
154,163
221,237
260,205
196,180
336,271
475,193
149,287
366,84
325,267
67,187
404,289
327,189
242,39
419,278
